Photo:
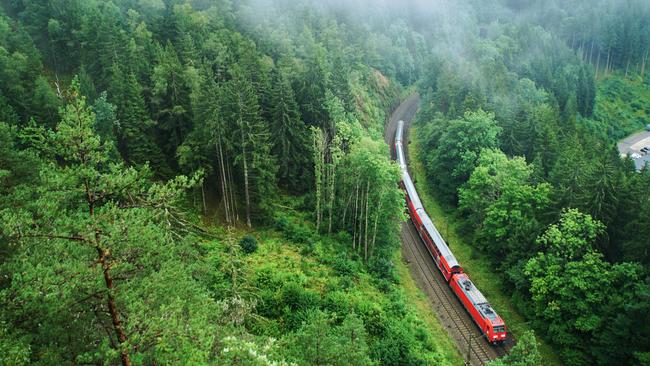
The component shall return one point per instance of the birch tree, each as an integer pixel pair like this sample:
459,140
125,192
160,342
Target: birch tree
319,141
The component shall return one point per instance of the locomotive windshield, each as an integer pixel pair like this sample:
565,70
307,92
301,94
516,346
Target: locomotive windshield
499,329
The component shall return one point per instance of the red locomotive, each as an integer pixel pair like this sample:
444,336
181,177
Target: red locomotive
491,325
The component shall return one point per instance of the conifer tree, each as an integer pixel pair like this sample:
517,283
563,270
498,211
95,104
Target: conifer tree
100,264
171,98
289,134
135,129
250,140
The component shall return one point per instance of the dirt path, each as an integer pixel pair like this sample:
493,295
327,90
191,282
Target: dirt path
442,300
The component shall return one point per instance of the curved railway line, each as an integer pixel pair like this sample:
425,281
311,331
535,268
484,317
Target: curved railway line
469,340
477,350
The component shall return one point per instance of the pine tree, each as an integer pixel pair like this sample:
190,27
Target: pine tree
289,134
96,267
171,98
340,82
212,139
250,139
135,129
313,88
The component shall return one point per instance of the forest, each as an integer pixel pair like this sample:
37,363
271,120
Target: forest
527,159
206,182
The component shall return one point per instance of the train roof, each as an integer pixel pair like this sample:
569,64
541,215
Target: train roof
417,204
401,160
400,130
410,190
478,300
438,240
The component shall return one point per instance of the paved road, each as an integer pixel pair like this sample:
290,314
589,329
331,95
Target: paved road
443,301
633,145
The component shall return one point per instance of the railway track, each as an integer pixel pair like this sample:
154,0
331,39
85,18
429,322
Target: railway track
475,349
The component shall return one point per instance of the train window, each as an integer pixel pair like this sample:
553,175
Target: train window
499,329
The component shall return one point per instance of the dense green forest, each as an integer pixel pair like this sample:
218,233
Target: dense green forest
527,158
206,181
141,141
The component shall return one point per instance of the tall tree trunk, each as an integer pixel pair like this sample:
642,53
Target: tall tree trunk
365,241
224,181
374,230
246,192
598,62
359,226
112,306
355,219
332,192
591,51
233,201
581,50
319,162
108,282
627,67
205,208
609,54
345,211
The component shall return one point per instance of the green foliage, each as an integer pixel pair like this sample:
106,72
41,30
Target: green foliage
295,231
171,98
248,244
458,149
250,141
634,246
13,350
318,342
241,351
327,308
134,130
539,82
289,135
621,107
230,89
504,206
88,267
524,353
575,292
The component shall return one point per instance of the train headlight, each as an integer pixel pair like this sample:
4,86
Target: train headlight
494,337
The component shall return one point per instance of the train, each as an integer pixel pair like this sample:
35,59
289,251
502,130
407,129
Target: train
484,316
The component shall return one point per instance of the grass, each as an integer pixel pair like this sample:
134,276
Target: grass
424,310
622,106
281,256
476,264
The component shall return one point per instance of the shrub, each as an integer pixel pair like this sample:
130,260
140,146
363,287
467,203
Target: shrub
248,244
294,231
